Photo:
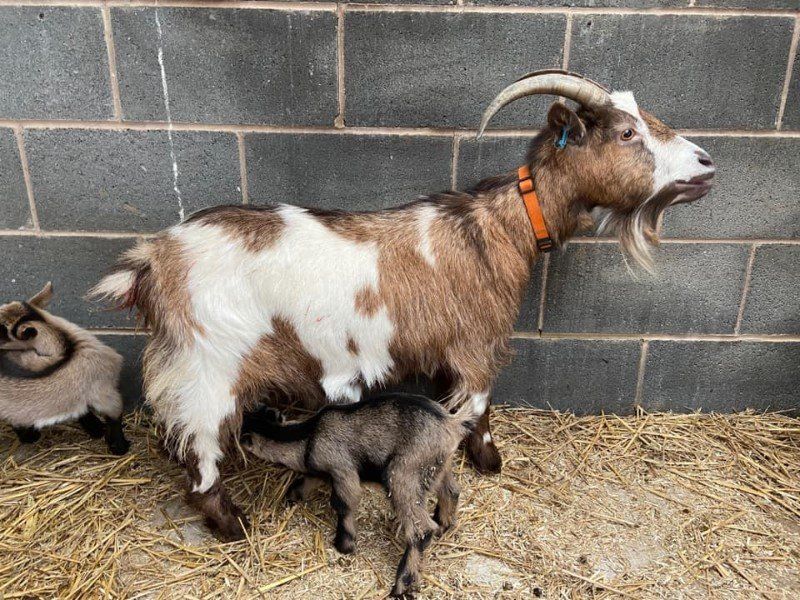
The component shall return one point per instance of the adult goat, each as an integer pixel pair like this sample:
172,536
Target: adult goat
243,300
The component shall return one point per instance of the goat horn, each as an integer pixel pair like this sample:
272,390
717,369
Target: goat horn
556,82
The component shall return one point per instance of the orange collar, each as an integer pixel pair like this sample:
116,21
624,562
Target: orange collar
525,184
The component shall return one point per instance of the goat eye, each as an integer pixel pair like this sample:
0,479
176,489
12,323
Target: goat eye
628,134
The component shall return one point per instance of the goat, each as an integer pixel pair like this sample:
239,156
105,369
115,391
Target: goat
404,442
317,304
53,371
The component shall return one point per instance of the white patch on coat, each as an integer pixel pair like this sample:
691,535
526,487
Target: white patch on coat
487,438
310,277
479,402
425,215
626,102
70,416
676,159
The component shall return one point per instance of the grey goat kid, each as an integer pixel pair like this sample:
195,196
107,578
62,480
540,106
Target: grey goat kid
53,371
401,441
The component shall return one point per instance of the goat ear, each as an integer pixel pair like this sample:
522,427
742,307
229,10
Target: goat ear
560,116
42,299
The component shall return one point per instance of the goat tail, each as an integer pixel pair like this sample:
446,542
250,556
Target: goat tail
123,288
471,411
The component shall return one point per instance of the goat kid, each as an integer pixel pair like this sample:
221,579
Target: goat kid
245,301
53,371
402,441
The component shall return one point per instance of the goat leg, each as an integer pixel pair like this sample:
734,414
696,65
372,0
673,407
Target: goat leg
407,578
115,438
446,501
302,487
92,425
345,497
481,449
222,516
27,435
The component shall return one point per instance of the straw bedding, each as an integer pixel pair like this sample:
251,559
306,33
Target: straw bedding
647,506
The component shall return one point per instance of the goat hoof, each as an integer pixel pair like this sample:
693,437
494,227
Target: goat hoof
345,543
442,529
295,492
485,458
229,529
445,524
119,447
404,586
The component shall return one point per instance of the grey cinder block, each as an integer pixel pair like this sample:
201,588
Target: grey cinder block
721,376
131,348
14,211
528,320
487,157
773,303
123,180
790,4
755,194
697,289
227,65
73,264
55,64
352,172
585,3
791,114
441,70
691,71
583,376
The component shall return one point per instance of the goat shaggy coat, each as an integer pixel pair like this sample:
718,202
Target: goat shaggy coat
53,371
245,301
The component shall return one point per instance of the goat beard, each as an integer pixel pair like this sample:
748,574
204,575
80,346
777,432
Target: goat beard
637,228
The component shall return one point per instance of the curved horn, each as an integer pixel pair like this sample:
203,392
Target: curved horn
558,83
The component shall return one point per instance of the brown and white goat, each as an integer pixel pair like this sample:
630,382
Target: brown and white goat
402,441
53,371
246,300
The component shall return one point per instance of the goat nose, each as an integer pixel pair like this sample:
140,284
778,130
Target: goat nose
704,159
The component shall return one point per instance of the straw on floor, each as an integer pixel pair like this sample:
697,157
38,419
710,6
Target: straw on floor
648,506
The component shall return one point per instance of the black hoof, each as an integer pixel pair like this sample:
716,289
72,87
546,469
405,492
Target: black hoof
345,543
119,447
27,435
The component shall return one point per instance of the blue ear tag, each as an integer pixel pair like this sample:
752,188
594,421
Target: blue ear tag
561,142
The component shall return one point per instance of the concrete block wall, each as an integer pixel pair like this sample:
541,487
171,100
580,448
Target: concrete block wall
118,116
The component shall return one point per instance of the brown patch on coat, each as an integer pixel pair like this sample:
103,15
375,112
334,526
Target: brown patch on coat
160,291
256,227
351,226
352,347
367,301
659,129
457,317
280,363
